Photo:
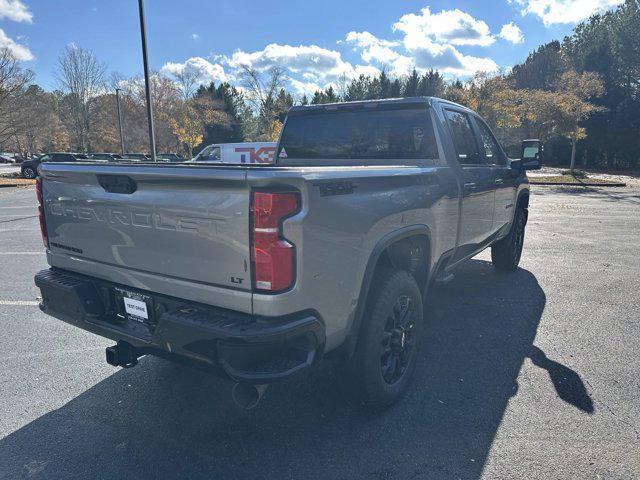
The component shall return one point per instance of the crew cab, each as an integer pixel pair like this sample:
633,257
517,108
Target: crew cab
258,271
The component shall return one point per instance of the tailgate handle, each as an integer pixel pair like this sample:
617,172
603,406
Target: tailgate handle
117,183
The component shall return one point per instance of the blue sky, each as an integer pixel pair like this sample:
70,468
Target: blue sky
317,42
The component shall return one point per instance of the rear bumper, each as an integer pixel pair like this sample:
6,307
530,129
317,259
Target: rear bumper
245,347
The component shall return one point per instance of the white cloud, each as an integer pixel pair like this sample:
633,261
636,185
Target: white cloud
427,41
402,65
366,70
454,27
446,58
21,52
325,64
423,53
511,33
366,39
309,68
195,37
373,48
564,11
379,54
205,70
304,88
15,10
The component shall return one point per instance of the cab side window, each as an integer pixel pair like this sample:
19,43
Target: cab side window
463,138
491,150
210,154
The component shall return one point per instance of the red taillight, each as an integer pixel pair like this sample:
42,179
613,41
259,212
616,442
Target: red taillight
272,254
43,227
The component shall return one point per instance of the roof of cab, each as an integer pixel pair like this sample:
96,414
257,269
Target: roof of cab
298,109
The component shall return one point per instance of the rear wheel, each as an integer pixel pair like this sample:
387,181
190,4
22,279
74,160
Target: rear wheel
389,341
29,172
506,253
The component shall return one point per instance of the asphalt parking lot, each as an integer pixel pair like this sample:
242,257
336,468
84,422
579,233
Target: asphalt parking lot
533,374
9,168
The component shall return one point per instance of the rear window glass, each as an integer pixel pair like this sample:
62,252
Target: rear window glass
405,134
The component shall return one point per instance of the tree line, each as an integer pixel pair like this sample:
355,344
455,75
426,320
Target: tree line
581,95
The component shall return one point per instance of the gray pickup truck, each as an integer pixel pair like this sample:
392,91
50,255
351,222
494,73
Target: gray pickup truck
260,271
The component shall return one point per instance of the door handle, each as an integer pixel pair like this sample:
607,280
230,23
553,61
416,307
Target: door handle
470,186
498,181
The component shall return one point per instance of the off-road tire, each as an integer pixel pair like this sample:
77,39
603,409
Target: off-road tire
29,172
391,289
506,253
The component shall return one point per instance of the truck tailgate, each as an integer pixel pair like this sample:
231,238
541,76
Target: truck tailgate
185,223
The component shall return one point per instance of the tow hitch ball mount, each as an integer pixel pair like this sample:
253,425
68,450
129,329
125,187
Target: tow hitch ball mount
122,355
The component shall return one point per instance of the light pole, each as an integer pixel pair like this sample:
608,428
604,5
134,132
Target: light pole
120,120
147,86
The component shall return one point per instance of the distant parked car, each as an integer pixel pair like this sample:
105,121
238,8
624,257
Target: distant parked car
110,157
14,158
137,156
29,168
171,157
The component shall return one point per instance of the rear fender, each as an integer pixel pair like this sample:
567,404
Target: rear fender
352,337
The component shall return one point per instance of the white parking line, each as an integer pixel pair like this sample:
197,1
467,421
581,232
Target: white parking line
19,229
19,303
22,253
18,217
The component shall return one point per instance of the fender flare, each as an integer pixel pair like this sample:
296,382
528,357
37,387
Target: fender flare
523,200
523,196
354,330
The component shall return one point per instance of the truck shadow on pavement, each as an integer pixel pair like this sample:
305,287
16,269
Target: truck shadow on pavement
161,420
603,193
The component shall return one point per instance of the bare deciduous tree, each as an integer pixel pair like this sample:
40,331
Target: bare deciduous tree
187,81
82,76
33,119
262,90
13,82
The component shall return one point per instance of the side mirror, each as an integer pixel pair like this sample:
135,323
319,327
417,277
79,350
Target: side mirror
531,155
282,116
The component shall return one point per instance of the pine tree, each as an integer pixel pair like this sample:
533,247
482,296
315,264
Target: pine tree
431,84
411,85
228,126
357,89
330,95
541,69
395,89
384,85
318,98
